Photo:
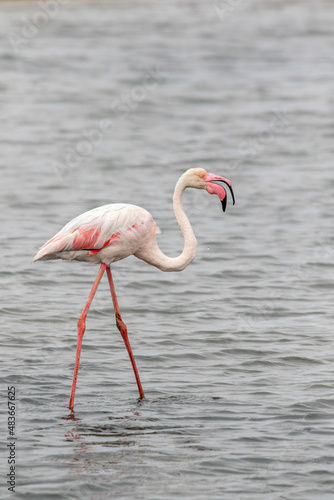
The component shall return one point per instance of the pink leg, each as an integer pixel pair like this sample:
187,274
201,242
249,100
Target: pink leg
81,331
124,332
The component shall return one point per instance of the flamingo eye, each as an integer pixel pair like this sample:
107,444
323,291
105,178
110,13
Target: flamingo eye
201,175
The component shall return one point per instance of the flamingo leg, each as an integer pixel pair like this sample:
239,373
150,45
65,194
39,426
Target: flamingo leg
124,332
81,331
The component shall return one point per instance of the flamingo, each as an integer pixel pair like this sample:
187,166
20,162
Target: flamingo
112,232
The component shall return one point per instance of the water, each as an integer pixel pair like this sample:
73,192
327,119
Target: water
236,352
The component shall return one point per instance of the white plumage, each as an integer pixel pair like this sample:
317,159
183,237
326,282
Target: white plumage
104,234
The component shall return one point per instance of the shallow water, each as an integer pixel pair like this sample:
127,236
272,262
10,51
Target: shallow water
236,352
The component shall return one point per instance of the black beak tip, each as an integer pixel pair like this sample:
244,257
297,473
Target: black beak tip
232,195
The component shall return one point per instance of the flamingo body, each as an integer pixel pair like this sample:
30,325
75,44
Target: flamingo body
104,234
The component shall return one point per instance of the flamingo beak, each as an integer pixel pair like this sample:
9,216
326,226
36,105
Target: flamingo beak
213,188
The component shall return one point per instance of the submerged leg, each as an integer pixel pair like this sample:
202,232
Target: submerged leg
124,332
81,331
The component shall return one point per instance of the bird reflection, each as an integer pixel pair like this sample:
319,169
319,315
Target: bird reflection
115,429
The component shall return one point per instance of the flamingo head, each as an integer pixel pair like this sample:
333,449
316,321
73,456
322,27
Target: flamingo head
201,179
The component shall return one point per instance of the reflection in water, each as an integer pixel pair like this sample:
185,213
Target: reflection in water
82,432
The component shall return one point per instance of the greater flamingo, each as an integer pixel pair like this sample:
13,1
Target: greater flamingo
112,232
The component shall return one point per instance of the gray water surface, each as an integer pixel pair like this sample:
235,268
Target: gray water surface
235,353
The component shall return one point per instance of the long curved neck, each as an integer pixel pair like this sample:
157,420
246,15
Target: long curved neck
157,257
